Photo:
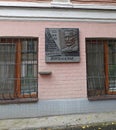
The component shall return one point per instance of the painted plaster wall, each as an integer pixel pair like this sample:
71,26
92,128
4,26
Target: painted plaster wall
95,1
27,0
68,80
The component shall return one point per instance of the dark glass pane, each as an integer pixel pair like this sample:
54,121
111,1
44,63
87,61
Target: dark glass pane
29,67
95,68
112,65
7,69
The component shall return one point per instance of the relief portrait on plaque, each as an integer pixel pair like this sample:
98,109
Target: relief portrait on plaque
62,45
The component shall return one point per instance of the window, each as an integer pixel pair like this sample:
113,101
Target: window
18,68
101,67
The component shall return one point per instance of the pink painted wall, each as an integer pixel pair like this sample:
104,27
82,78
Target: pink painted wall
68,80
95,1
27,0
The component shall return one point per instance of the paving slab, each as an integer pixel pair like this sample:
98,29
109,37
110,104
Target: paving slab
59,122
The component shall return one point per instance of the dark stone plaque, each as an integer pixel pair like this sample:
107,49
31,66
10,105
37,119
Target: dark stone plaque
62,45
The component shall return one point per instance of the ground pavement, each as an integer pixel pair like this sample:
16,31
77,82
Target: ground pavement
90,121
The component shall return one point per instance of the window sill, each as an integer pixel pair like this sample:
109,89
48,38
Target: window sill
102,97
20,100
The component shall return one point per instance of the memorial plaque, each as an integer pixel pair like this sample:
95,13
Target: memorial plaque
62,45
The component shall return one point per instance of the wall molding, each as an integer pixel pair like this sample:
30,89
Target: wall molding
62,12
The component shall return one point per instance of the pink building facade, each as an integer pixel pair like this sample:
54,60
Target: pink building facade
63,87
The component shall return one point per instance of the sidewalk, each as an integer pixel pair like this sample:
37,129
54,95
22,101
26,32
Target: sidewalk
67,122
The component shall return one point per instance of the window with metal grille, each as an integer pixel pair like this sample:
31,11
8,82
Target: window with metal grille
101,67
18,68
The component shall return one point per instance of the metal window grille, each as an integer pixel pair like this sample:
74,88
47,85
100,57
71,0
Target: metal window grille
101,67
18,68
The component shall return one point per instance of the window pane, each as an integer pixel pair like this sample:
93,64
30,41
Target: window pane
7,69
95,68
29,67
112,65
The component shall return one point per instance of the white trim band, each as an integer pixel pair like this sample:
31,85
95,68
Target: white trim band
47,11
57,4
